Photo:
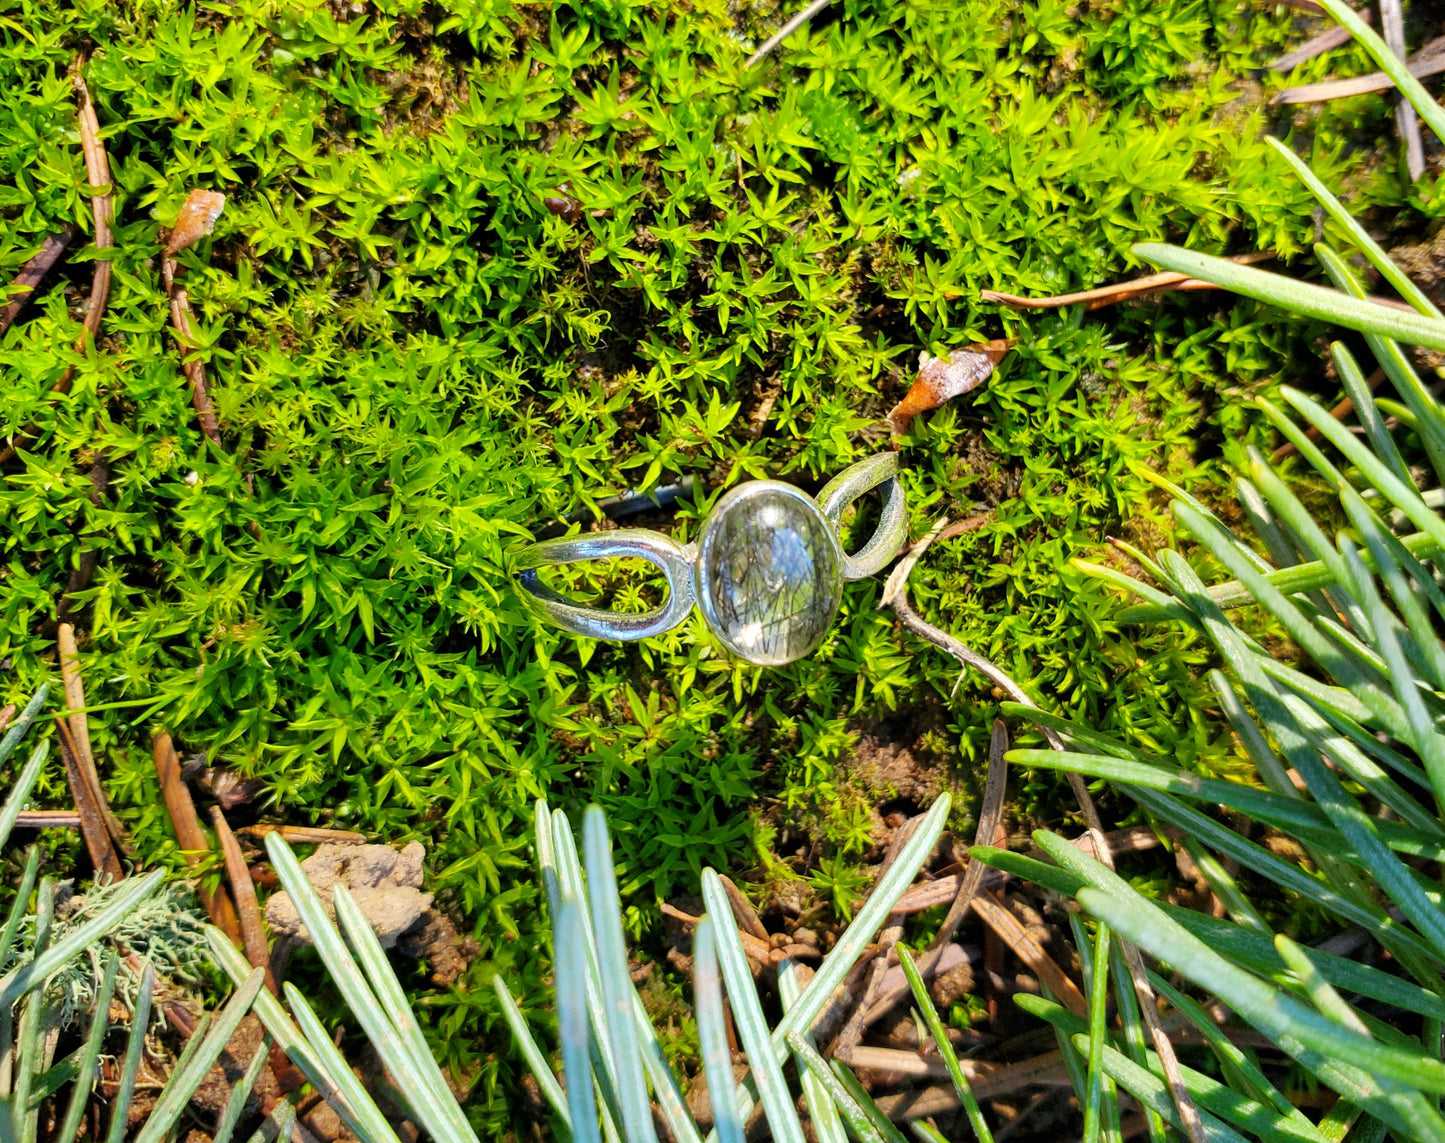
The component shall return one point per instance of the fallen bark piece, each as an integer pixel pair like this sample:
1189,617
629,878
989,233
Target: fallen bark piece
192,839
385,883
941,379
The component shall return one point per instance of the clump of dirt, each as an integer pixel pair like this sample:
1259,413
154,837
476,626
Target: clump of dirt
899,763
435,940
385,883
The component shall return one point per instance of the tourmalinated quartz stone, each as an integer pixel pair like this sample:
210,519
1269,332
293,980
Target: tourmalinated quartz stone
769,573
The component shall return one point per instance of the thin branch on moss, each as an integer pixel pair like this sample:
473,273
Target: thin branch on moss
895,595
787,30
33,272
97,173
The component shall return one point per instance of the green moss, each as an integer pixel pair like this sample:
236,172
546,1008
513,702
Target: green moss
418,363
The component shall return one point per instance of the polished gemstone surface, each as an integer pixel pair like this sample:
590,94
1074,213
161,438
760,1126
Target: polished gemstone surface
769,573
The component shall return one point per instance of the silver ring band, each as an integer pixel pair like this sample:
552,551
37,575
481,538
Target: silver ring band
766,572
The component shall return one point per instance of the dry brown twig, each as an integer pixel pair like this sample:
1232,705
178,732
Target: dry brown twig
80,734
188,832
48,819
1118,292
1428,61
1392,25
33,272
103,855
895,595
887,944
786,30
743,911
304,835
1326,41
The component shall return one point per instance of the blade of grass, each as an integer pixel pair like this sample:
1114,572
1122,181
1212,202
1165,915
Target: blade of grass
1301,298
818,1087
573,1028
21,727
536,1061
356,991
379,975
817,1076
748,1017
712,1034
374,1127
1358,235
240,1093
881,1122
1389,63
1273,1012
945,1047
184,1080
21,902
617,990
855,938
283,1030
89,1053
135,1047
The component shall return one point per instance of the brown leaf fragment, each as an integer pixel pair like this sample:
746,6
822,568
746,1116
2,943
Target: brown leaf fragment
193,842
941,379
197,219
92,825
7,715
33,272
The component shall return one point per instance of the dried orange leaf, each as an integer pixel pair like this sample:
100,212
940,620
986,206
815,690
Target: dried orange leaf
941,379
196,220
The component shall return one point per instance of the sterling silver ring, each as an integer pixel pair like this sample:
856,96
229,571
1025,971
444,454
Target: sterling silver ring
767,569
